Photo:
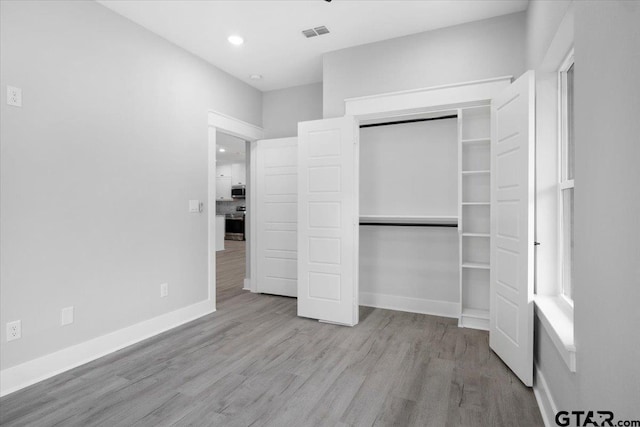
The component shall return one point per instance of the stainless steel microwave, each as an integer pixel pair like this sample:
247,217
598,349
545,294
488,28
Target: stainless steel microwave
238,192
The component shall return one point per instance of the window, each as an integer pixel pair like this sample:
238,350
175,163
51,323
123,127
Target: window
566,174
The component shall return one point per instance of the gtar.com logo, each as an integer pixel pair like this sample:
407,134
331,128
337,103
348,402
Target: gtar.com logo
591,418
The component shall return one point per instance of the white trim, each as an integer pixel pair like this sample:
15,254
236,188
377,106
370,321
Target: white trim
556,317
425,99
546,404
410,305
247,285
474,319
235,127
211,215
563,166
36,370
253,217
565,185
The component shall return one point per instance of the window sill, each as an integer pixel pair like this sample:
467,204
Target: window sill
556,315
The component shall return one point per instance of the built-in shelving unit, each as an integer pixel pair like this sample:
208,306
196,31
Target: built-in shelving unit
474,165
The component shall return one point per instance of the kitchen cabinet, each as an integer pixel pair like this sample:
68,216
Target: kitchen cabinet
223,188
223,170
238,174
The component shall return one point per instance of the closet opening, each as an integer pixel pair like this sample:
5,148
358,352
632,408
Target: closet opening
408,198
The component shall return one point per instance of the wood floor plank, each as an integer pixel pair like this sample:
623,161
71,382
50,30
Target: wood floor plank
255,363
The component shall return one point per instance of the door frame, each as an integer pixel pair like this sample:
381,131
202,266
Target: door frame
218,122
424,100
416,103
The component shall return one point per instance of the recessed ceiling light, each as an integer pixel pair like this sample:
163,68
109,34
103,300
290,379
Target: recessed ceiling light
222,150
256,76
236,40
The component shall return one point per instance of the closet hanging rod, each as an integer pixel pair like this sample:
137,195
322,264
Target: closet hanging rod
401,122
408,224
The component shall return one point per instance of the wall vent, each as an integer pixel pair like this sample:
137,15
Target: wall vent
317,31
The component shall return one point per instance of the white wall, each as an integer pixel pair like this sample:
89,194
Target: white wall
412,267
283,109
409,169
97,170
607,206
478,50
543,20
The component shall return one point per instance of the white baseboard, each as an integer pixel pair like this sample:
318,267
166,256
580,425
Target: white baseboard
411,305
36,370
548,408
247,285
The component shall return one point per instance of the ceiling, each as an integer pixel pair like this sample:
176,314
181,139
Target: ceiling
234,149
274,45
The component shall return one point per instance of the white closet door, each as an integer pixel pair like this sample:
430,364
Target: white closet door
277,216
512,226
328,220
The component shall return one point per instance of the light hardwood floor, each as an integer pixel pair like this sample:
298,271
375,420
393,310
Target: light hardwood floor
254,362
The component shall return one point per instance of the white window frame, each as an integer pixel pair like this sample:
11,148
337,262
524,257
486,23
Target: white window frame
553,308
564,184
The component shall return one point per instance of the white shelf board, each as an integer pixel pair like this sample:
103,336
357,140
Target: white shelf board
476,141
408,219
478,265
474,319
475,313
482,172
476,235
475,203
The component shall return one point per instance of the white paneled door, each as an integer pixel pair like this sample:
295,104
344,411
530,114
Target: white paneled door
277,216
512,226
328,220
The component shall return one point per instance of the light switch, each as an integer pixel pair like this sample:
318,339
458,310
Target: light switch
195,206
14,96
67,316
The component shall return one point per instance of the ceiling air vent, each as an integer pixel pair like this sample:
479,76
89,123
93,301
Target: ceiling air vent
318,31
309,33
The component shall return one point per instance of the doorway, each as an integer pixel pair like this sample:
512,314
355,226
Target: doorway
234,137
231,211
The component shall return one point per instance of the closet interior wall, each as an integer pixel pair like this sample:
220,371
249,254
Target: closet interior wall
409,245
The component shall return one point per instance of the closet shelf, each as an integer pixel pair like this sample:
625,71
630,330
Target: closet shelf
481,172
477,141
476,235
475,203
475,313
449,221
477,265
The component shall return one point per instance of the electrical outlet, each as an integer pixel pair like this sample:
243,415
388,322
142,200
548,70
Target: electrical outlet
14,96
164,290
66,317
14,330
